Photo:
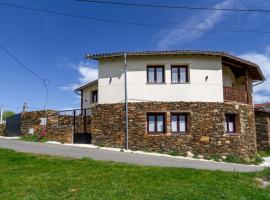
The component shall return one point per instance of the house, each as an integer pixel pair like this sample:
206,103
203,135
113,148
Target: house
262,119
180,101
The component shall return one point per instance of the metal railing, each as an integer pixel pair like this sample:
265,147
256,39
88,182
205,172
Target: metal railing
74,117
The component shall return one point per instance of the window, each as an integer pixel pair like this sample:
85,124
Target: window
179,74
230,123
94,97
179,123
155,74
156,123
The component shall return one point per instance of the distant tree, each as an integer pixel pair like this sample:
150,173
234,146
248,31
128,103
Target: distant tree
7,114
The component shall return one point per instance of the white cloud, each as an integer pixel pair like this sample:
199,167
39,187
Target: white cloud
262,91
88,72
204,21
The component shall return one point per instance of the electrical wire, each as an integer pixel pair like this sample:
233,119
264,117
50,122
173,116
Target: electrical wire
131,23
45,82
173,6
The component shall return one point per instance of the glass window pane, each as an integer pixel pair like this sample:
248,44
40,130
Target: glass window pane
174,75
183,75
151,123
174,123
151,75
159,75
182,123
231,127
225,125
160,125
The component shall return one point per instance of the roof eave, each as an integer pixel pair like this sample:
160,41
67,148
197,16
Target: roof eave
86,85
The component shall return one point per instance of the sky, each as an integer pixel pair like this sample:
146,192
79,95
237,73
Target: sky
54,46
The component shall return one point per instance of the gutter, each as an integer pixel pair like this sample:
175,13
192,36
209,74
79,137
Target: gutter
259,83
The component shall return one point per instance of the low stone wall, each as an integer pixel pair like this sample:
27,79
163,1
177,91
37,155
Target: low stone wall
2,129
207,133
262,120
32,120
63,134
54,131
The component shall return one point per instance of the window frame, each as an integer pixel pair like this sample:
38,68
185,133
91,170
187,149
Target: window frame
92,96
235,123
178,67
155,74
178,120
156,114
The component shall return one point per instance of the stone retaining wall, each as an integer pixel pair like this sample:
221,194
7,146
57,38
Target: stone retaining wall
2,129
206,137
262,120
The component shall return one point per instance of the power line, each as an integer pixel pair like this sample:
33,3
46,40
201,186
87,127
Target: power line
20,62
45,82
174,7
128,22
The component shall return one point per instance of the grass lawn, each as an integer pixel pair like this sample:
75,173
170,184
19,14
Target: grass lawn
265,153
27,176
32,138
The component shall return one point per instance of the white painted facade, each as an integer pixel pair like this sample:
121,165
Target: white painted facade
207,77
87,94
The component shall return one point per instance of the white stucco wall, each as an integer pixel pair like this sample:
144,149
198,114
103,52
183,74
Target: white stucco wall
111,80
229,79
87,94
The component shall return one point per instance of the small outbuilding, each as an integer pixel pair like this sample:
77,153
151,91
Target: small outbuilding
262,119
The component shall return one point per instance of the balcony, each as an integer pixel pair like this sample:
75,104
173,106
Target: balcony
237,95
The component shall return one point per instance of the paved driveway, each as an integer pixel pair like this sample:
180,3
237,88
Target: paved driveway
123,157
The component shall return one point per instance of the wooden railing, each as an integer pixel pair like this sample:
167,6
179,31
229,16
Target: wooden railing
235,94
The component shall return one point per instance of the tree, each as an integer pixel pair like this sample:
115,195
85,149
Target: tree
8,113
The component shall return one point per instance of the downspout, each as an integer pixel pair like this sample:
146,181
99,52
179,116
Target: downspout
126,103
74,126
81,95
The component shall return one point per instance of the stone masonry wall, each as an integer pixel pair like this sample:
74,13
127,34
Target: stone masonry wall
32,120
63,134
55,132
206,137
2,129
262,120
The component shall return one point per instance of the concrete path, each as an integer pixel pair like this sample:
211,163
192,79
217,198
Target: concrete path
123,157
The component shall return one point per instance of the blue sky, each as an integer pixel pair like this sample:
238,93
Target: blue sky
54,46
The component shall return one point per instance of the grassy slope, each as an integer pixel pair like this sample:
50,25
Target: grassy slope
26,176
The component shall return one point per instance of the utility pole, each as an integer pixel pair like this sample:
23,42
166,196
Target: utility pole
126,103
25,107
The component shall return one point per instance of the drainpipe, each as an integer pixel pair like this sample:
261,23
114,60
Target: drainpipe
126,103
